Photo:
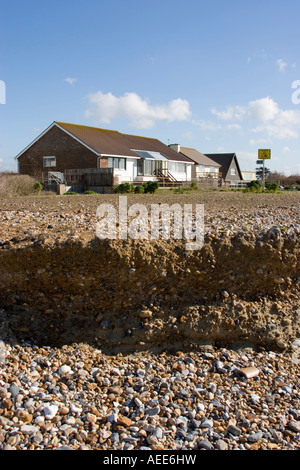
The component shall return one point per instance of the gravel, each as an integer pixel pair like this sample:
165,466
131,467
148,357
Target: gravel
77,397
114,406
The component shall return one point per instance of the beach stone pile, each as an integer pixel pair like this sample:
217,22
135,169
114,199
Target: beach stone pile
76,397
128,345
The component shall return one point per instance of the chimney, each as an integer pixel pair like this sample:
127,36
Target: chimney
175,147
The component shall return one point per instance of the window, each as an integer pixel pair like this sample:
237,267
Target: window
233,172
117,163
49,161
177,167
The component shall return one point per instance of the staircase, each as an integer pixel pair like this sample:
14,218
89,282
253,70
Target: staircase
56,177
165,178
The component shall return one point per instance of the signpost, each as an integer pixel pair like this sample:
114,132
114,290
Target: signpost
264,154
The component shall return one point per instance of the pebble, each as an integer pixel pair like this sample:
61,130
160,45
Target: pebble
59,397
50,411
243,412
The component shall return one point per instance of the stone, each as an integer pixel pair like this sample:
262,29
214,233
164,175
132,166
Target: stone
124,421
249,372
255,437
14,390
234,430
294,426
205,444
152,411
28,429
221,445
207,423
50,411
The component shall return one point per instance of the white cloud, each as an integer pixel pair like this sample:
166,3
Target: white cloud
233,126
262,109
70,80
284,126
259,142
104,107
271,120
281,65
286,149
207,125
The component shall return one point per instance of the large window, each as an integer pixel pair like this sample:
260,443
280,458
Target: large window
117,163
49,161
177,167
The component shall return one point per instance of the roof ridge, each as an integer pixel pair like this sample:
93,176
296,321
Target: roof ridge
88,127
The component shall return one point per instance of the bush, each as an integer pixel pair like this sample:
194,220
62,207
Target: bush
38,187
271,186
150,187
17,185
255,186
139,189
90,192
71,193
124,188
194,186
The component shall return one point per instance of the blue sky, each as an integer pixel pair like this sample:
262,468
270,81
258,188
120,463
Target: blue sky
216,76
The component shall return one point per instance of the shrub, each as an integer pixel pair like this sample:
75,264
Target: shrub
38,187
255,186
124,188
150,187
194,186
271,186
90,192
71,193
139,189
17,185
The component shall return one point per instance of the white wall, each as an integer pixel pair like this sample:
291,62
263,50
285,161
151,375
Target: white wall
129,174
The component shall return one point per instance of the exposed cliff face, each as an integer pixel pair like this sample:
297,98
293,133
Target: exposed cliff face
135,295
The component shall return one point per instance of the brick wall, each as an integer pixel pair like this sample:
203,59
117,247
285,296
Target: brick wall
69,153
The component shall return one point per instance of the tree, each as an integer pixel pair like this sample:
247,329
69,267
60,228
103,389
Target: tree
259,172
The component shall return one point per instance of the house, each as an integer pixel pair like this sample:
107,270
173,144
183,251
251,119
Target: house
82,155
229,169
249,175
204,167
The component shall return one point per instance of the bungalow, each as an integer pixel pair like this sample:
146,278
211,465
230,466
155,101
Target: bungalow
203,166
66,153
229,169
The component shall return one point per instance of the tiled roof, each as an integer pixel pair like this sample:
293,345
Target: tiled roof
109,142
198,157
102,141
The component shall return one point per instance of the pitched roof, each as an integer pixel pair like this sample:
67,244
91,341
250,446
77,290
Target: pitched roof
145,143
111,142
198,157
102,141
225,160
